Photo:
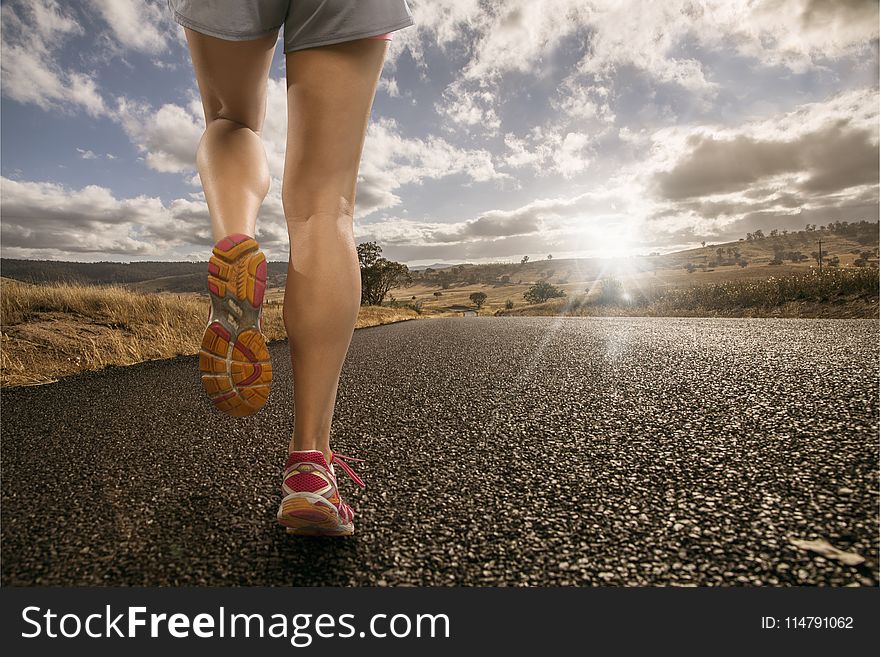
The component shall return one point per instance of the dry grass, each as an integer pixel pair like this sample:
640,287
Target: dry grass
49,331
843,293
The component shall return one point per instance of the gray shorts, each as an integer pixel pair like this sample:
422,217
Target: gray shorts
307,23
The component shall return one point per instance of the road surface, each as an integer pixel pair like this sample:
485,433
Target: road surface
500,451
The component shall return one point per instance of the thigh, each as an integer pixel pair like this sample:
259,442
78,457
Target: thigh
330,92
232,76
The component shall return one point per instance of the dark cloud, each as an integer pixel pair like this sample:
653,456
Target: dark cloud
835,158
711,209
503,248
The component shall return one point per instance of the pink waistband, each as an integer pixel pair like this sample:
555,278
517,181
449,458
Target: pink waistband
386,36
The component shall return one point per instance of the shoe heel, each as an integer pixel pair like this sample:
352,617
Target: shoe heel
236,369
304,517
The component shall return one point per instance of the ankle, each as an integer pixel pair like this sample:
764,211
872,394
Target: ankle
300,447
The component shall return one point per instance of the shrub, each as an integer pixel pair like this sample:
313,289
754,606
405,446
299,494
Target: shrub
542,291
478,298
775,291
611,292
415,305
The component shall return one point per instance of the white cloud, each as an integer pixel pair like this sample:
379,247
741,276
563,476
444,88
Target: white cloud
828,171
86,154
391,160
389,86
40,216
819,158
32,33
167,137
549,151
135,24
521,36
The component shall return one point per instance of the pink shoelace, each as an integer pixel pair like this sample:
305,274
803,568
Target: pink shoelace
346,468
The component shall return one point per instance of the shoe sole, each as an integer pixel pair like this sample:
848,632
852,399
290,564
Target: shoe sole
310,514
233,360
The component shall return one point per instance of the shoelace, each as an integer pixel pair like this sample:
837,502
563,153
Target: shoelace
346,468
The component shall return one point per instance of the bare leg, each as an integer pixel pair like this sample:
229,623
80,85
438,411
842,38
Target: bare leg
231,158
330,95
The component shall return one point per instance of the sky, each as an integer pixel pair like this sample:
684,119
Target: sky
501,128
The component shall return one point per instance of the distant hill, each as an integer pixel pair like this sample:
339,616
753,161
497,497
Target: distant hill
847,241
141,276
436,265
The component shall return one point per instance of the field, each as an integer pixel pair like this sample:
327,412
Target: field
54,330
657,277
57,319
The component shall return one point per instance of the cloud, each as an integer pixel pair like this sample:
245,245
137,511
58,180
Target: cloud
817,149
32,33
39,216
35,32
662,40
136,25
549,151
391,161
167,137
562,224
86,154
815,163
44,219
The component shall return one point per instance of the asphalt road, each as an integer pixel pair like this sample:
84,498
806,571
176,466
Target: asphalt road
500,451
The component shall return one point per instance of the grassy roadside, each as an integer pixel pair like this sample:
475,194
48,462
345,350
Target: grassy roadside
54,330
50,331
837,293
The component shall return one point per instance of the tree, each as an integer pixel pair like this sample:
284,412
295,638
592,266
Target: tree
479,298
611,291
542,291
549,256
368,254
379,275
524,260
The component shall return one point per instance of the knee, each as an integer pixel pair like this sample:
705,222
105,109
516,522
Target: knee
232,116
228,123
308,201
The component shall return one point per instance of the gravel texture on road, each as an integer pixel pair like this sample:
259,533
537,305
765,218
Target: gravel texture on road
499,451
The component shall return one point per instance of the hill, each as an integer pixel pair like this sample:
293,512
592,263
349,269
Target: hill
844,244
144,276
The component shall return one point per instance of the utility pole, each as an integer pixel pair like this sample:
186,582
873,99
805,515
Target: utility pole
820,256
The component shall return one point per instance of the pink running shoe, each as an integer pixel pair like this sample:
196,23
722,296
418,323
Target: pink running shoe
311,504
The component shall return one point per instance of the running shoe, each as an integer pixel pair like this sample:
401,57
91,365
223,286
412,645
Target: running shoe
234,361
312,505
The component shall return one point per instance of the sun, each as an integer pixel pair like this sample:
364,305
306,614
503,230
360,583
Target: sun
611,241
